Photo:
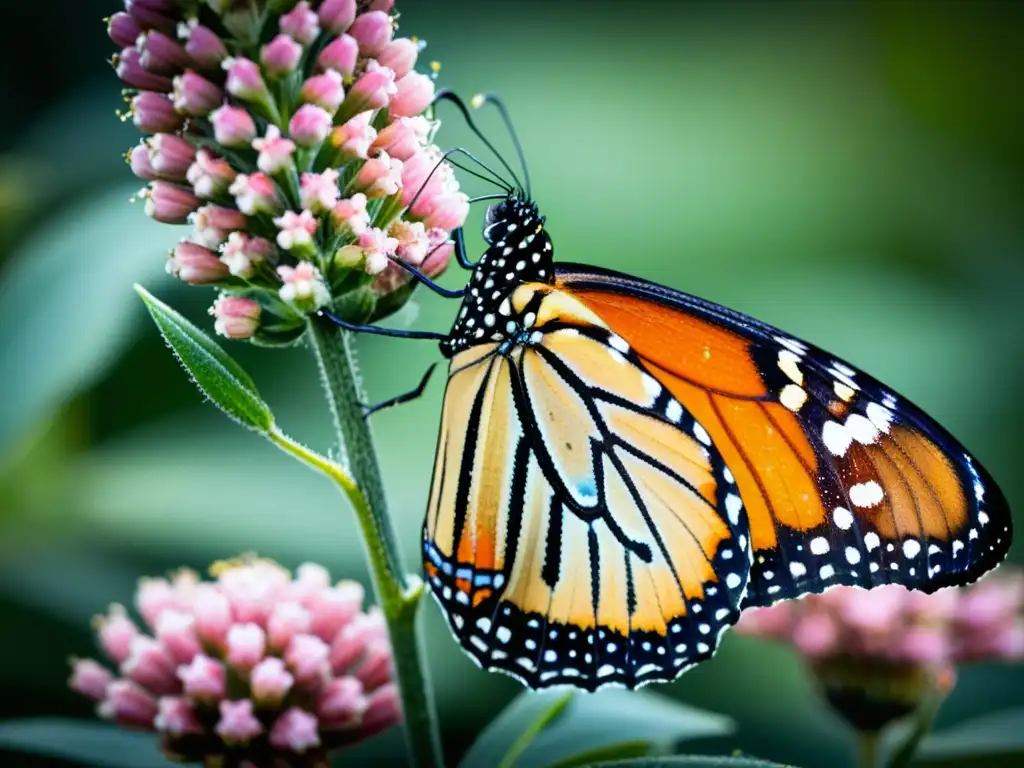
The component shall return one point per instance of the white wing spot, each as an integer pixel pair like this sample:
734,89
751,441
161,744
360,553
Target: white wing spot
819,546
852,555
732,581
701,434
911,548
789,364
674,411
862,429
826,572
793,397
880,416
797,569
836,437
867,494
842,517
733,505
843,392
618,343
504,634
871,541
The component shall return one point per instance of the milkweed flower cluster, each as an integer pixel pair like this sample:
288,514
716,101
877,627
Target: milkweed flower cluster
877,653
291,137
256,665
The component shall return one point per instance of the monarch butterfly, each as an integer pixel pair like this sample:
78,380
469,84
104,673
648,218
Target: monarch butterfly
622,468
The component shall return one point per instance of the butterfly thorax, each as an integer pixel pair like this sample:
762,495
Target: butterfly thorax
520,252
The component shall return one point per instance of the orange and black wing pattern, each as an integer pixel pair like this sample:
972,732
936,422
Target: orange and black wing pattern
582,526
843,480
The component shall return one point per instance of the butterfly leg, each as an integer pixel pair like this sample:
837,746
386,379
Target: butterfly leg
405,397
376,330
445,292
460,251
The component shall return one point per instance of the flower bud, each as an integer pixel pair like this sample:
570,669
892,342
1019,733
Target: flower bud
351,215
399,56
270,682
202,44
414,93
116,633
449,212
307,658
318,192
124,30
176,630
194,95
90,678
213,223
275,151
152,14
439,253
372,91
333,608
402,138
280,56
134,75
241,253
169,203
324,90
310,125
212,609
353,138
155,113
297,230
236,318
340,55
161,53
413,243
303,286
255,193
383,710
380,176
238,725
170,155
295,730
149,665
195,264
204,679
210,176
336,16
246,645
378,248
341,703
139,161
372,31
128,704
176,717
233,126
382,5
244,79
301,24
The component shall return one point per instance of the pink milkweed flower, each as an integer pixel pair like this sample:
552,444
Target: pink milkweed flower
233,126
336,16
378,247
169,203
301,698
353,138
242,253
413,94
210,176
372,31
141,164
275,151
448,212
399,56
318,192
155,113
301,23
341,55
236,317
372,91
202,44
350,215
303,286
413,242
310,125
194,95
280,56
124,30
296,230
244,80
195,264
212,224
255,193
161,53
324,90
170,155
129,69
404,137
380,176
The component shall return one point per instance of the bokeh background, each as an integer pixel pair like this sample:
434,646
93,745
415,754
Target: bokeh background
853,173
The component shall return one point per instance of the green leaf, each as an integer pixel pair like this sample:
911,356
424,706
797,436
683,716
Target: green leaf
693,761
996,739
219,377
587,723
619,752
83,742
546,718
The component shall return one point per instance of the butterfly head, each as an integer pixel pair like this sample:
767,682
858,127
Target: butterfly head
519,251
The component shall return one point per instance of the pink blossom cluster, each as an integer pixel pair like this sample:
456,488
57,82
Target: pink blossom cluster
256,665
894,625
294,144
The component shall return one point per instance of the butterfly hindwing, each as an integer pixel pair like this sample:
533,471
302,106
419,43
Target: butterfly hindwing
582,526
844,481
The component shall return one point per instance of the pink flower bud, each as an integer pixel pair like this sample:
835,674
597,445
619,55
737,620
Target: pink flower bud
303,286
128,704
275,151
212,611
90,678
176,717
383,710
213,223
439,253
149,665
161,53
255,193
336,16
131,72
295,730
310,578
310,125
210,176
414,93
382,5
242,253
449,212
204,679
333,608
372,91
421,182
176,630
376,667
195,264
351,643
124,30
372,31
270,682
324,90
318,192
116,632
253,587
202,44
170,155
307,658
233,126
413,243
170,203
353,139
380,176
194,95
287,620
378,248
246,645
923,645
244,79
399,139
340,55
238,724
139,161
341,704
351,214
297,230
152,14
280,56
815,635
153,597
155,113
301,23
399,56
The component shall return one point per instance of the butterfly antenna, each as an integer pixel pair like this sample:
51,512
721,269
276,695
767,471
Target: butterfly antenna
444,157
480,176
490,98
447,95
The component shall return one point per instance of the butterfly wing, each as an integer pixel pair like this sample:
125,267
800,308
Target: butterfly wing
582,527
844,481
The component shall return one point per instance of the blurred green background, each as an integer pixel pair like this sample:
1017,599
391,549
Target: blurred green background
853,173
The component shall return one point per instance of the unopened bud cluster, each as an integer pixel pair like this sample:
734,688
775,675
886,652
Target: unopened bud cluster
291,137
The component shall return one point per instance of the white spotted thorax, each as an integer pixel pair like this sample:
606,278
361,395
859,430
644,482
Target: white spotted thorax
520,252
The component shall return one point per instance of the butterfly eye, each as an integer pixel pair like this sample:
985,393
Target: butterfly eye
497,212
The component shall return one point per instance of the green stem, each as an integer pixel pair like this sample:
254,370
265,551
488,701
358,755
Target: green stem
399,595
867,747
